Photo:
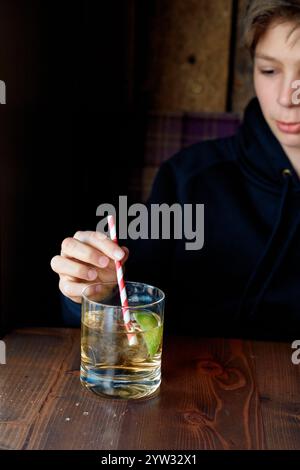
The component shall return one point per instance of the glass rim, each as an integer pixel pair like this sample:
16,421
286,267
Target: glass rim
120,307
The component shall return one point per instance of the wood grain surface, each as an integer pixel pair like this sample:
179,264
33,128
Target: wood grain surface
188,46
243,86
215,394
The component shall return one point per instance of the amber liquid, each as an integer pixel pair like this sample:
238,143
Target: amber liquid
111,367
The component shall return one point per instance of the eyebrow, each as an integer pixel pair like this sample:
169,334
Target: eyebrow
267,57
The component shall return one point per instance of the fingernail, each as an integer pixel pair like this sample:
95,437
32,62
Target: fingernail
103,261
119,254
92,274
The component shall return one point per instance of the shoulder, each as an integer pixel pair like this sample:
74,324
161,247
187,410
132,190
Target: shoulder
205,162
204,155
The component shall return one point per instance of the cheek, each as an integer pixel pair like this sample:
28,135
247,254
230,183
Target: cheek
264,90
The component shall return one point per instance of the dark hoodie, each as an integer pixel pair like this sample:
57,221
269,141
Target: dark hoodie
245,281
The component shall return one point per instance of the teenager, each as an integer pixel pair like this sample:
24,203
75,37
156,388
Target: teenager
245,281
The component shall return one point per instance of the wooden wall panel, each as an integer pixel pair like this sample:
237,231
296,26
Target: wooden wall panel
187,64
243,89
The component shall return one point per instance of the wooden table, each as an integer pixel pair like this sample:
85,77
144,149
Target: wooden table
215,394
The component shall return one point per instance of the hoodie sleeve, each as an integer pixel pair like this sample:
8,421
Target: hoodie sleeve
71,312
148,259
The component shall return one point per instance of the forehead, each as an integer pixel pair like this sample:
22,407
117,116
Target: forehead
281,34
280,41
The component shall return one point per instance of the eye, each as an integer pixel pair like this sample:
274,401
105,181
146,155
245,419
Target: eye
267,72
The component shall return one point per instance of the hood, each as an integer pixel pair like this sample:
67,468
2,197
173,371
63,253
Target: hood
263,161
261,156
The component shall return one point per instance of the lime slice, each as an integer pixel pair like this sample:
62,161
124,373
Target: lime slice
152,330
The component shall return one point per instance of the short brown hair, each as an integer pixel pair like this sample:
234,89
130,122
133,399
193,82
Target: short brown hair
261,13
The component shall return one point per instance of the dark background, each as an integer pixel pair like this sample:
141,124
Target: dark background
66,137
81,77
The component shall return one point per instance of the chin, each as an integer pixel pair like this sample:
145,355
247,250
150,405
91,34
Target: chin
292,145
289,140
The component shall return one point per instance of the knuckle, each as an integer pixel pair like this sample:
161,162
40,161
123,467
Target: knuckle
53,262
81,272
67,244
92,255
63,287
78,234
99,235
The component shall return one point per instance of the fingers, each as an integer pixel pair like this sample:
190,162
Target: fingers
70,267
101,242
72,248
91,249
124,248
62,265
86,258
74,289
71,289
77,271
71,270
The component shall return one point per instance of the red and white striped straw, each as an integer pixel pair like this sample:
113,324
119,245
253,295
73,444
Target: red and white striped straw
121,283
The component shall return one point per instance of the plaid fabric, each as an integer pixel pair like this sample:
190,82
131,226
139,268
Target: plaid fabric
168,133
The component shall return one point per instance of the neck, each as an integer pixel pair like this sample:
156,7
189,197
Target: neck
293,155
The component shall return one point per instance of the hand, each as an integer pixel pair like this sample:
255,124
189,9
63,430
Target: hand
86,258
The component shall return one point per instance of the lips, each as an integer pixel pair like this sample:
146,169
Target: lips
289,128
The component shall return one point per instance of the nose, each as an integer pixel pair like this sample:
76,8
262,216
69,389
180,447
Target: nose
286,93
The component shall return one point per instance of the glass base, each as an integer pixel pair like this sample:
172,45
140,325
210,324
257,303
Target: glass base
121,383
